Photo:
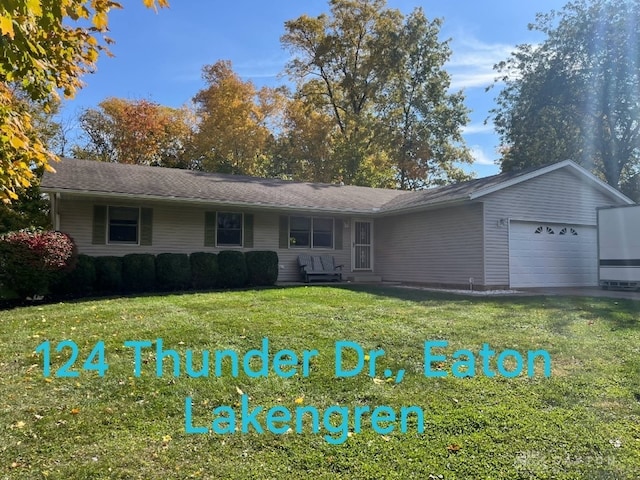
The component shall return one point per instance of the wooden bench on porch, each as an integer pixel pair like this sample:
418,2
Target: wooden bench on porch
320,267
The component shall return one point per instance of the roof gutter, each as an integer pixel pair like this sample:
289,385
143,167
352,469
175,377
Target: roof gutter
424,207
205,202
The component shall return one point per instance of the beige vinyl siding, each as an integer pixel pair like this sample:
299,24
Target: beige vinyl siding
557,197
288,257
431,247
180,229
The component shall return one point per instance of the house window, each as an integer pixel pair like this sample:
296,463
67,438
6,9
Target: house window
300,231
124,224
323,233
310,232
229,229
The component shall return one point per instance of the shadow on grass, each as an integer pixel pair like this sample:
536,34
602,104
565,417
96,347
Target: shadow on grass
12,303
619,313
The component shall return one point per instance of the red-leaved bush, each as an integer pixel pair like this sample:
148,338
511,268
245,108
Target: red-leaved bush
31,259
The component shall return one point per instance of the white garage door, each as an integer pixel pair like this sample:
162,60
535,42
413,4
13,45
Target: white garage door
552,255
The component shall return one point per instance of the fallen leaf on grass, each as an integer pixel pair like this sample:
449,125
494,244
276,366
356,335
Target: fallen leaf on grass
454,448
240,392
75,411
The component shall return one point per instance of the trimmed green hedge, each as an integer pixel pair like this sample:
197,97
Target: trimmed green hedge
233,269
262,267
139,272
173,271
108,274
79,281
144,272
204,270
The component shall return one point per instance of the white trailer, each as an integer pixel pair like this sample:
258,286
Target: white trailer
619,247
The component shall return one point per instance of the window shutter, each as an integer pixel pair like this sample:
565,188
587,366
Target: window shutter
338,225
209,229
248,230
284,231
146,226
99,234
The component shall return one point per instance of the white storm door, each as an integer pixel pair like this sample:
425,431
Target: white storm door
362,241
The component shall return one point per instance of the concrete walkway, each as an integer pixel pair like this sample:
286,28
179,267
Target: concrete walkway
583,292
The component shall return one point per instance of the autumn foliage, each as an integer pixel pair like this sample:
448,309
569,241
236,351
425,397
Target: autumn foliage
137,132
30,259
45,47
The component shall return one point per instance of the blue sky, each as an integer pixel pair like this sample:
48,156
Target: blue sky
159,56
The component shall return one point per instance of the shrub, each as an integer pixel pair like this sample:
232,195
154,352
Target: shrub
139,272
204,270
30,260
262,267
173,271
108,274
79,281
232,268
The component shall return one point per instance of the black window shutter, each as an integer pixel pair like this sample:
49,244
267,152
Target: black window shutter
248,230
99,233
338,224
209,229
284,232
146,226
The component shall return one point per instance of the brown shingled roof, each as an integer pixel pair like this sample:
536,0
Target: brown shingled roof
86,177
113,179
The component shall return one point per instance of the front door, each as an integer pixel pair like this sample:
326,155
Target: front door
362,241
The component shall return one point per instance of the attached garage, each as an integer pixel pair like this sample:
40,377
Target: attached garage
518,229
552,255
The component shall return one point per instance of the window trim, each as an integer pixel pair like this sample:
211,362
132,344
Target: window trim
225,245
311,245
108,240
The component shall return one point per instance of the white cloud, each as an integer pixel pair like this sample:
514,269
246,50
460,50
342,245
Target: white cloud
477,128
480,157
472,61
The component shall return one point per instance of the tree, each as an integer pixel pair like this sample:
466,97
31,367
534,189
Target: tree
30,209
304,149
45,46
424,120
138,132
234,134
379,76
577,94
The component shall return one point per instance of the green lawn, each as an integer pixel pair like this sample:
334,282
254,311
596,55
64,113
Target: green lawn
581,422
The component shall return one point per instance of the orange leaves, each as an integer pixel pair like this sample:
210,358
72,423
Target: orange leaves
137,132
454,448
234,134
